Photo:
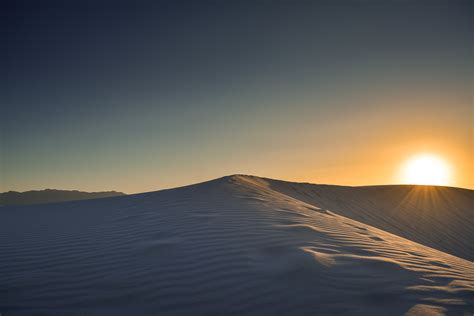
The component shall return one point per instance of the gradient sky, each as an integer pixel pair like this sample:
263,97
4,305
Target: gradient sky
143,95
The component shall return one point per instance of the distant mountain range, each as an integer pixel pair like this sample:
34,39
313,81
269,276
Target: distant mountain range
51,196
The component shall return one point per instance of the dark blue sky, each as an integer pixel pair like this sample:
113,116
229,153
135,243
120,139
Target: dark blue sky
139,95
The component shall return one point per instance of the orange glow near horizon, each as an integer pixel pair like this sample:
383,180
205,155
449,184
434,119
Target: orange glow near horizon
426,169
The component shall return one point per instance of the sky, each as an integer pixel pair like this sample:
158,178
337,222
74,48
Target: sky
138,96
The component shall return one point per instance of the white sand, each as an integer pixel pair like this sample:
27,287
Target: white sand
237,245
439,217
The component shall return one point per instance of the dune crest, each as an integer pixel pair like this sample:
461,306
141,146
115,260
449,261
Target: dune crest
438,217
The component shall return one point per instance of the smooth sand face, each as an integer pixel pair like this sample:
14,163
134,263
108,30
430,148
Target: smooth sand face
438,217
233,246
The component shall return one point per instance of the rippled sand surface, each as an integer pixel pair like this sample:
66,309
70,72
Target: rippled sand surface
238,245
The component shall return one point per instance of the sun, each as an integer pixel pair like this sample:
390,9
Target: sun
426,169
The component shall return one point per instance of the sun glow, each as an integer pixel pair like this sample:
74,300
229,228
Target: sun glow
426,169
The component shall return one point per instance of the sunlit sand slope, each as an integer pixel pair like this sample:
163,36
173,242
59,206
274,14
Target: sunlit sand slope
232,246
438,217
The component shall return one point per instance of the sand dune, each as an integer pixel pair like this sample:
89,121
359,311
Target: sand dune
438,217
237,245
